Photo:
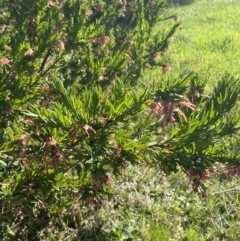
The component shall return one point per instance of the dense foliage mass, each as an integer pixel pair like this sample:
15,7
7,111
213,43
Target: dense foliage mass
79,104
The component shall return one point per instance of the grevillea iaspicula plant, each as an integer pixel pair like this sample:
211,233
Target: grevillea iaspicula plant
78,104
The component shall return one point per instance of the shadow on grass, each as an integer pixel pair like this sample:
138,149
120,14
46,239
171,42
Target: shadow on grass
180,2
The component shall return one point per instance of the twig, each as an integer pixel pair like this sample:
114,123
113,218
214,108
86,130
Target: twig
228,190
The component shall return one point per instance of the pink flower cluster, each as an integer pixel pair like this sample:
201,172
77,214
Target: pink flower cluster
101,41
165,110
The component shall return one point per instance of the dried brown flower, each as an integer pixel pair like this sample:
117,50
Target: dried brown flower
28,122
108,180
51,4
60,45
3,27
29,52
157,57
176,19
87,14
4,61
101,41
166,110
166,69
88,128
7,47
148,65
232,170
101,78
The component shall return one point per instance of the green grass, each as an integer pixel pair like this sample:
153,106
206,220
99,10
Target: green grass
209,39
148,206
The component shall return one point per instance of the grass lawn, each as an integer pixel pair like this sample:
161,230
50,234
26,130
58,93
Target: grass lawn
149,206
209,40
